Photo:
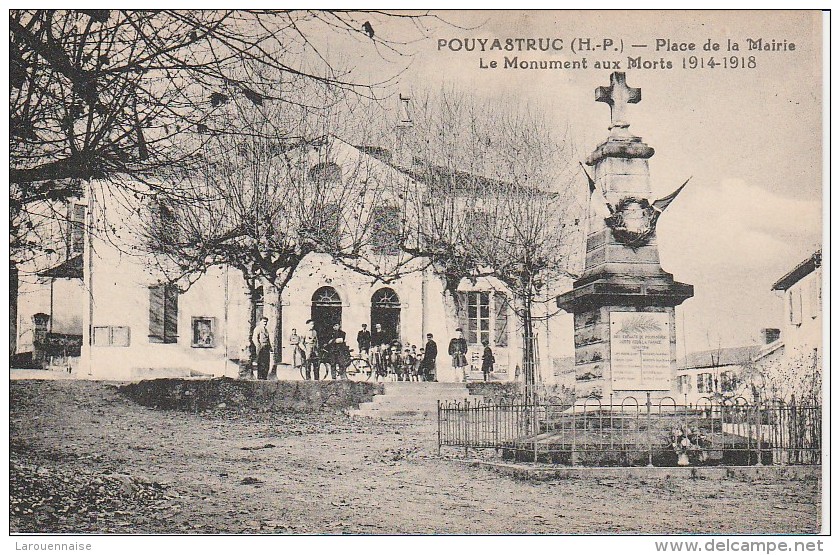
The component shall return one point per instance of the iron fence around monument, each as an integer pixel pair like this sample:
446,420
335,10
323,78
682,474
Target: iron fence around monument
636,433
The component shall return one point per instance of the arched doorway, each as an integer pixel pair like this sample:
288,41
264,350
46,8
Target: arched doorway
326,310
385,310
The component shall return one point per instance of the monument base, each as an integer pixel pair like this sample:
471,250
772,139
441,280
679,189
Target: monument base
625,337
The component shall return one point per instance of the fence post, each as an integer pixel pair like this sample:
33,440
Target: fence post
535,430
650,447
758,435
612,428
496,410
466,428
438,423
573,455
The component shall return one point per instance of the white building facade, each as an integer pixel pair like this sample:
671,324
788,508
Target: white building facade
135,325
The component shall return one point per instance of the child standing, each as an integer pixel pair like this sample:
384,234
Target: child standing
418,365
407,364
394,366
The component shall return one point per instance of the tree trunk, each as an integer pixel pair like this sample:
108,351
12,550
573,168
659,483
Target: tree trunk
528,351
452,310
13,307
272,310
529,358
251,284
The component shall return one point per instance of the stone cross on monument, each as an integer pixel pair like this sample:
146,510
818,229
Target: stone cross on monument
618,95
623,302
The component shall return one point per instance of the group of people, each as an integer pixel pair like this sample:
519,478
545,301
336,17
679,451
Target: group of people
389,359
386,357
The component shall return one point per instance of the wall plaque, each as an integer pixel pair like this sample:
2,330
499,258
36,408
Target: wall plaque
640,351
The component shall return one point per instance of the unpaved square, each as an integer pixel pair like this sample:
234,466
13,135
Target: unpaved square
86,459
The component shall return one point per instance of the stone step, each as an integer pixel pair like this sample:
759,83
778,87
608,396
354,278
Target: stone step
411,402
443,396
414,399
447,391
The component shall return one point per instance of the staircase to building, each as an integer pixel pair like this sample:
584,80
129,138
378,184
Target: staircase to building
414,399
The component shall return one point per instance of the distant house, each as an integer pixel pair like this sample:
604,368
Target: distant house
787,363
712,374
801,289
792,365
48,287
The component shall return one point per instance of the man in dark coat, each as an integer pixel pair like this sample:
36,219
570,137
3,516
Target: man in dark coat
429,356
378,337
363,339
458,352
337,349
261,339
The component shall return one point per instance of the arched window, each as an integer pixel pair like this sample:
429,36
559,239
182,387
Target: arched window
326,296
385,298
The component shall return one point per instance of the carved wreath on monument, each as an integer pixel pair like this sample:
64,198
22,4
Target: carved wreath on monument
632,222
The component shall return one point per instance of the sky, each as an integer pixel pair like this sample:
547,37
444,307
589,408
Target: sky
750,137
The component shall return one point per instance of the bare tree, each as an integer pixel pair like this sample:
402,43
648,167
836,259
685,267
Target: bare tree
503,200
262,203
794,376
97,94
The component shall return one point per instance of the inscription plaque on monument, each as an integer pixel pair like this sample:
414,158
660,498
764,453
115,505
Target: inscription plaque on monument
640,351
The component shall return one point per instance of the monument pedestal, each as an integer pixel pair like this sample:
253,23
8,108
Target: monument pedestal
625,338
623,303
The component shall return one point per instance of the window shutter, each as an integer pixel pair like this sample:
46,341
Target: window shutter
501,335
815,296
795,306
463,320
385,229
472,318
156,312
170,321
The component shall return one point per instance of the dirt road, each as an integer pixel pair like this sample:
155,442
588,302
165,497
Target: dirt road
85,459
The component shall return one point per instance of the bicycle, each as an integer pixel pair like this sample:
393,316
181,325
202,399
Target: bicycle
358,369
353,368
324,367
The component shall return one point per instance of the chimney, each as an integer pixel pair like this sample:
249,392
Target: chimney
771,335
403,154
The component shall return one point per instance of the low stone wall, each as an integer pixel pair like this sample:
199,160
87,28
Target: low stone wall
745,473
497,392
265,396
512,392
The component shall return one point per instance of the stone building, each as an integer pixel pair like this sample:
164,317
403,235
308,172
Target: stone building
47,287
714,374
787,363
132,323
792,364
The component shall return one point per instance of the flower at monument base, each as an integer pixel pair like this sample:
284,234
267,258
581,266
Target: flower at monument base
689,445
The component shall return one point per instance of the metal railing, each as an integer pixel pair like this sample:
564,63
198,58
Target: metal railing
629,432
